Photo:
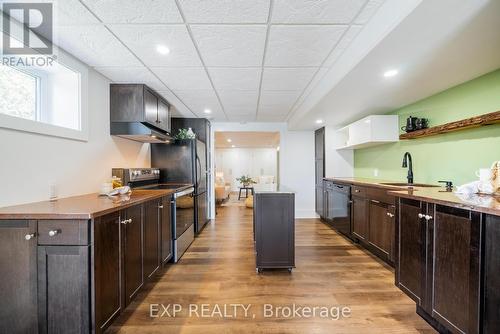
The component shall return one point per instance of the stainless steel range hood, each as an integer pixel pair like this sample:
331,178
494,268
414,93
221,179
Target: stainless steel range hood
141,132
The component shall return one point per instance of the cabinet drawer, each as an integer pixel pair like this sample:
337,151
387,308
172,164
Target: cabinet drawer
380,195
358,191
63,232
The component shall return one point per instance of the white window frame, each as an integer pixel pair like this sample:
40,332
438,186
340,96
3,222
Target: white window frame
38,127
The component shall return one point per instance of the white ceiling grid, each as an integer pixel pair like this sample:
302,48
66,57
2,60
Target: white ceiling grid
244,60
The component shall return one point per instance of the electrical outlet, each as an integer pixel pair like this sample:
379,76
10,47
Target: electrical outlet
375,172
52,191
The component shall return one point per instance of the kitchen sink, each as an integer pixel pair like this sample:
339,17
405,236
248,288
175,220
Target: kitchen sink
396,184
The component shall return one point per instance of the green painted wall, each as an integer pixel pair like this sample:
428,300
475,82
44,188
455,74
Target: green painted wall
453,156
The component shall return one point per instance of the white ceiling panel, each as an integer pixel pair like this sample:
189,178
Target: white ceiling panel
271,118
183,78
344,43
274,110
95,45
286,78
232,78
71,12
199,100
230,45
238,98
135,11
366,14
143,40
301,45
284,99
138,74
319,11
223,11
248,117
241,109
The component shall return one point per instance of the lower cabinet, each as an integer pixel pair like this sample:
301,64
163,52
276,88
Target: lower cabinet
381,227
151,237
491,279
131,219
360,218
166,229
63,284
439,263
18,284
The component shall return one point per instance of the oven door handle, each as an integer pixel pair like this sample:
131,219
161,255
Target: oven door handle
184,192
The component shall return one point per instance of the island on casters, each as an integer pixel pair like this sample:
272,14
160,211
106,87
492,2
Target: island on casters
274,229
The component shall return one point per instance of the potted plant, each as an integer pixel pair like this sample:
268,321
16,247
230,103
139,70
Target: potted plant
245,180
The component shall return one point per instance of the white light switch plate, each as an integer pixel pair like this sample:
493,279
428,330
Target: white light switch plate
375,172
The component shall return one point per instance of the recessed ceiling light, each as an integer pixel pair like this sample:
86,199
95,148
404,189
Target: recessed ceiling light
229,140
233,146
390,73
162,49
207,111
319,121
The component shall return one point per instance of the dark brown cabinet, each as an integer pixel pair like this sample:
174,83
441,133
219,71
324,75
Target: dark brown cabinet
107,265
131,220
360,218
319,161
63,284
166,229
491,279
131,103
381,227
18,285
151,237
412,235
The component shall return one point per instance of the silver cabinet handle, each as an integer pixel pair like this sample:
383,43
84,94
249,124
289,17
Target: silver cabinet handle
124,222
53,233
357,190
427,217
421,215
160,207
390,214
29,236
375,201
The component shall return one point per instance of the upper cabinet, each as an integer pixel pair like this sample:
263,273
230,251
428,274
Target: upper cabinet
370,131
137,103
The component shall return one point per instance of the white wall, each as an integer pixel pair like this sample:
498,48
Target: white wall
31,162
338,163
235,162
296,165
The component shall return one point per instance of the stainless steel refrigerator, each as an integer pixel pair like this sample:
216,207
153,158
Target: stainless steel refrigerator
185,161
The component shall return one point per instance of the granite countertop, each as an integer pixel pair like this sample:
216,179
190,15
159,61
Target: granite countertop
489,204
82,207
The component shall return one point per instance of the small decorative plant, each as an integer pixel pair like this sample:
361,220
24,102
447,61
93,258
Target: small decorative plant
245,180
185,134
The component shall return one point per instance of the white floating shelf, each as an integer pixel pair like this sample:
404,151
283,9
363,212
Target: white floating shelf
369,131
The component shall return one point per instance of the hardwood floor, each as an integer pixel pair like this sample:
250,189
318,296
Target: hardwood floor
219,268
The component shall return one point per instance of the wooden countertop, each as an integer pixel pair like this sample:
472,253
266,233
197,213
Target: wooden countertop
82,207
481,203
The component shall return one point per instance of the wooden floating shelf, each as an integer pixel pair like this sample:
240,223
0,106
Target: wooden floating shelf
473,122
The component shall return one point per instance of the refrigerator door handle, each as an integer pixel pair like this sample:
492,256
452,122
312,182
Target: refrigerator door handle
198,170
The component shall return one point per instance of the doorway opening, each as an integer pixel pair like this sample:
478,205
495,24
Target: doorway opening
245,162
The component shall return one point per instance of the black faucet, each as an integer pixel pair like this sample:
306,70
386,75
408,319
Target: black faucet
407,157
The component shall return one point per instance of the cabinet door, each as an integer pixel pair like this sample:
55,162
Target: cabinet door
132,253
18,284
150,107
411,266
319,141
166,229
151,238
163,115
381,229
107,275
319,201
455,236
491,315
360,217
63,289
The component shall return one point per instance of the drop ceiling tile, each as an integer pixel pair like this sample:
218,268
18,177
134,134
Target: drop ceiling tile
281,99
250,117
183,78
237,98
95,45
286,78
132,75
367,13
143,40
177,106
199,100
240,109
135,11
71,12
223,11
271,118
321,11
318,77
301,45
233,78
344,43
230,45
273,110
